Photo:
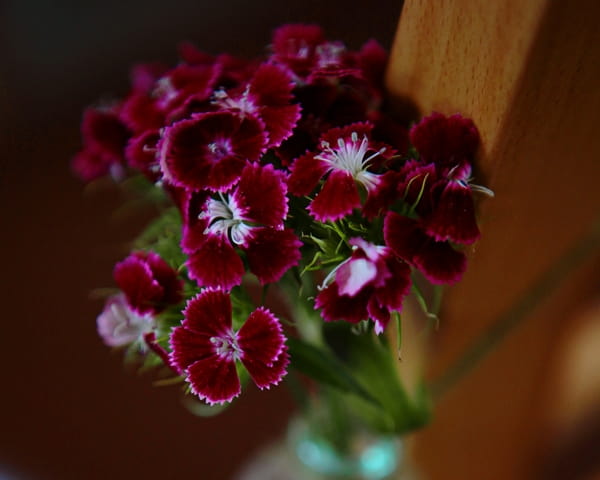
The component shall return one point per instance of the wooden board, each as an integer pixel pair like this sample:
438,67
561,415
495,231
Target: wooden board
528,73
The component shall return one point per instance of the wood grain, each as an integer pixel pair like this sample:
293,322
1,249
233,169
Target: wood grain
528,74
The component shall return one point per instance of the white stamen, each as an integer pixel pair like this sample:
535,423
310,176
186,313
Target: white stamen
225,218
227,346
350,157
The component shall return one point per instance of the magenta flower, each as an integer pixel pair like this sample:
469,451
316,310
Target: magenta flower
268,96
438,261
344,158
372,283
205,348
209,150
119,325
295,45
148,282
249,218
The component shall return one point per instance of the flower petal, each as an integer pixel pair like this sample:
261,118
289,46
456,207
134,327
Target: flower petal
134,276
272,87
271,253
454,216
440,263
262,343
208,313
187,347
354,274
336,307
261,195
403,235
306,171
214,379
210,149
337,199
216,264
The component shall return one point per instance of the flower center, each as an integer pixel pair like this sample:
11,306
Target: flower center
243,103
227,346
349,156
329,54
225,218
220,148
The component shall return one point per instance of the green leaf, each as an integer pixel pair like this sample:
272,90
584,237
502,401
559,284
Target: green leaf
324,367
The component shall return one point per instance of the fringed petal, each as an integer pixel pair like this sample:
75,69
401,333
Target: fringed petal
216,264
337,199
261,195
214,380
262,343
208,313
306,171
271,253
272,87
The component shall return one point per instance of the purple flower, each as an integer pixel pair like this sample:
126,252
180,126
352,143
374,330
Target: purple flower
119,325
205,348
372,283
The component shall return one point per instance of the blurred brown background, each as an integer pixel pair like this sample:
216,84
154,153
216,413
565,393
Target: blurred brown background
67,408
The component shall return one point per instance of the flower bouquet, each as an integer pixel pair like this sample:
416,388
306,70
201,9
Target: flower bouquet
282,180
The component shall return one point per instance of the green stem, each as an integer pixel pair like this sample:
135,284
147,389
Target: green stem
518,312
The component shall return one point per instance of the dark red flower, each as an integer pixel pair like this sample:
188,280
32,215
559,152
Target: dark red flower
141,154
148,282
249,218
438,261
209,150
446,141
344,157
453,215
205,348
104,140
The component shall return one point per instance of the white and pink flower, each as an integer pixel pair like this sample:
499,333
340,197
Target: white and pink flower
370,284
120,325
